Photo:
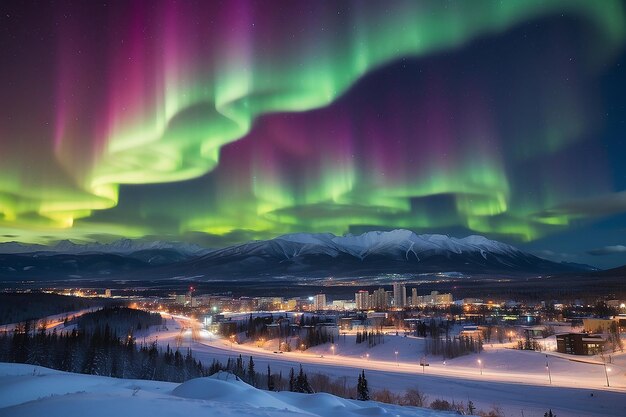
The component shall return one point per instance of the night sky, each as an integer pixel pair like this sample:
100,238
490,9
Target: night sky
220,122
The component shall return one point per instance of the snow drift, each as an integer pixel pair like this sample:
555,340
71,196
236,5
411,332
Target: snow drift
31,391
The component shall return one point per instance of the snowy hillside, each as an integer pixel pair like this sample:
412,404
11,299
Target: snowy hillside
27,390
400,241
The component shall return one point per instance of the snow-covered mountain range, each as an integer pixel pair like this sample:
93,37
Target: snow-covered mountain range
299,254
397,251
396,244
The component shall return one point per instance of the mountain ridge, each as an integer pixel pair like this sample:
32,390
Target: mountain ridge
122,246
298,255
397,251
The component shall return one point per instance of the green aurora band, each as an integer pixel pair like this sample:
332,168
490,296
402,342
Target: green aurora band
171,99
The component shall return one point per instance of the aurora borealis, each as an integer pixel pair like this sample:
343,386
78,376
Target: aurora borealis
249,119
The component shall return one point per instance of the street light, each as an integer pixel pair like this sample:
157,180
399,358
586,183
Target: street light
606,373
397,363
480,365
367,356
332,347
548,369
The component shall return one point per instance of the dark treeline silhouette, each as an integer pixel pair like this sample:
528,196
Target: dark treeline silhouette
101,352
371,338
273,382
306,331
453,347
434,328
318,336
120,320
19,307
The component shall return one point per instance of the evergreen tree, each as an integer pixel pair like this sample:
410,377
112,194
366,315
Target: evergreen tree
251,373
549,414
239,367
302,383
270,379
362,391
292,381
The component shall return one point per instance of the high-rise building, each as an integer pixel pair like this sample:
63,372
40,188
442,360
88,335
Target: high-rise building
319,302
434,299
289,304
379,299
362,299
107,293
414,296
399,295
181,299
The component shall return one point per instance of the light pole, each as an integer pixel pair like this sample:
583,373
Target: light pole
480,365
548,368
397,363
367,356
606,373
332,347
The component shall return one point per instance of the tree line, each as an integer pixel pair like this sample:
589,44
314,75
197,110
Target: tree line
101,352
453,347
120,320
372,338
20,307
310,330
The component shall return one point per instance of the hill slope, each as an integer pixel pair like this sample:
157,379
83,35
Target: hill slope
27,390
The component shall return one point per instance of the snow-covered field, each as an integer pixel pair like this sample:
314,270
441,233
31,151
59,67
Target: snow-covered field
515,381
30,391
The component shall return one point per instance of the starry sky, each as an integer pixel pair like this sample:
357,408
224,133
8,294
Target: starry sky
221,122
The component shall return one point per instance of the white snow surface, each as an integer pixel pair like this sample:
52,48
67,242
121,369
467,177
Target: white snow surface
32,391
511,380
397,240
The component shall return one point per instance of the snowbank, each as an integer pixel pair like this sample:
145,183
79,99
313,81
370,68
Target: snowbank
27,390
